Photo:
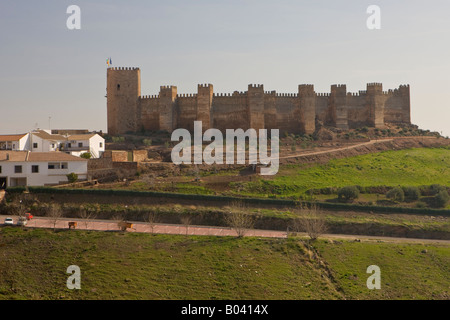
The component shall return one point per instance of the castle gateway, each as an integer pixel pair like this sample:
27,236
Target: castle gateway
129,111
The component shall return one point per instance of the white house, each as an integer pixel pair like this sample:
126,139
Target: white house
25,168
76,144
43,141
15,142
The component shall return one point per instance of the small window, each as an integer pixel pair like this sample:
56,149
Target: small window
0,169
17,169
69,145
53,145
54,165
80,144
35,169
101,144
118,87
64,165
35,145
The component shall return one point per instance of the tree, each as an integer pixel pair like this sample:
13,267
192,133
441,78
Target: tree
151,220
310,221
348,193
186,220
86,155
442,198
54,212
411,193
396,194
238,219
72,177
86,215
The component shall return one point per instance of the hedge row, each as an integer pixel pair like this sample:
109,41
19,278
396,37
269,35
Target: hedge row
200,197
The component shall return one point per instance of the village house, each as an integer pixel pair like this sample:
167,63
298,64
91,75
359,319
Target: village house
25,168
45,141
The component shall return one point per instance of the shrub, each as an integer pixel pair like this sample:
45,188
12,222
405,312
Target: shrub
147,142
442,198
348,193
411,193
86,155
436,188
118,139
72,177
421,204
396,194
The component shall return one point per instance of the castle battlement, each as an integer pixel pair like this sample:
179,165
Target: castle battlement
255,108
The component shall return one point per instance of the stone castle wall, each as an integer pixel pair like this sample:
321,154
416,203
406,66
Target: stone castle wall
255,108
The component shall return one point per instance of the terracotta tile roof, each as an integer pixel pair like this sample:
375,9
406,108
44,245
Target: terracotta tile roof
12,137
81,136
22,156
13,155
58,137
47,136
52,156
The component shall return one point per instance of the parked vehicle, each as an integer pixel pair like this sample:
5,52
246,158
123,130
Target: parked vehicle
22,221
28,216
9,221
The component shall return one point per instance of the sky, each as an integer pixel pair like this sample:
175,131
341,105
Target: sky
54,77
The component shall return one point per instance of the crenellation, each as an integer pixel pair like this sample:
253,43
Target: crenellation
255,108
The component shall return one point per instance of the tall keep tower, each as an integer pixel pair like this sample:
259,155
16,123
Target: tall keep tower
375,101
123,91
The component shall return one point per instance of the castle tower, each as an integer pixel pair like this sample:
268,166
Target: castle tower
338,105
406,103
255,96
123,91
204,103
167,100
307,98
375,100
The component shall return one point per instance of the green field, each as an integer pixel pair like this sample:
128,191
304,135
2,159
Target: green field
142,266
410,167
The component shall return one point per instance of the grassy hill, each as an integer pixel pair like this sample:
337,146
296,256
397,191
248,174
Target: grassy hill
142,266
410,167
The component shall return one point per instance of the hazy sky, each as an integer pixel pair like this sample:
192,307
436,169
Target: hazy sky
47,70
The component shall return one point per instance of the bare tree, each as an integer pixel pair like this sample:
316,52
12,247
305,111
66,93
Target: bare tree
118,218
151,220
310,221
86,215
186,220
238,219
54,212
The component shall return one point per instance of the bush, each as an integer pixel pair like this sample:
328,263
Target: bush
396,194
72,177
411,193
348,193
147,142
442,198
118,139
436,188
421,204
86,155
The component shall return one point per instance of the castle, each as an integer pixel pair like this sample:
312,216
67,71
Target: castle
129,111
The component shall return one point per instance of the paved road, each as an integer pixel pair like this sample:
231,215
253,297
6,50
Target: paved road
107,225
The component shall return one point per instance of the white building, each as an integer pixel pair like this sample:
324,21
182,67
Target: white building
15,142
45,141
25,168
78,144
